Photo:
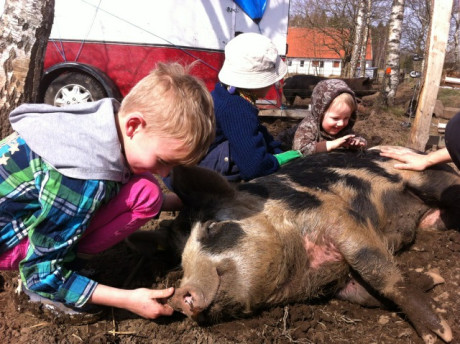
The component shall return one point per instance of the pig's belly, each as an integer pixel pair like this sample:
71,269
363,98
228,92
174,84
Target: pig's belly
322,253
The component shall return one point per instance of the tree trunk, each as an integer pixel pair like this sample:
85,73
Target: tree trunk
25,29
391,79
365,38
457,40
358,40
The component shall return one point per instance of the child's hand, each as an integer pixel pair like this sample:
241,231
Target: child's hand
355,142
149,303
340,142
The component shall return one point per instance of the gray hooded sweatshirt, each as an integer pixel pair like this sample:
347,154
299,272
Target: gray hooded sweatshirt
80,141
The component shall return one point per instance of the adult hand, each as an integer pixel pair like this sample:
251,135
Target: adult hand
409,160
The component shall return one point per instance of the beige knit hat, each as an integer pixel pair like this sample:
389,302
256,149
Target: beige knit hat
251,61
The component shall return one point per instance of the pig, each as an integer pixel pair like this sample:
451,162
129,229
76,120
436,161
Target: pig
302,85
362,86
323,225
299,85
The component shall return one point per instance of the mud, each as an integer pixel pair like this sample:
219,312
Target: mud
324,321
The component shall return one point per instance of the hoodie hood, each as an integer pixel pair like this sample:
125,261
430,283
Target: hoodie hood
80,141
323,95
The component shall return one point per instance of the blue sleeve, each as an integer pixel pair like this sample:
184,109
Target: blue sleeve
274,146
248,147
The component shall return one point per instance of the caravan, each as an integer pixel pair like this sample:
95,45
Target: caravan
100,48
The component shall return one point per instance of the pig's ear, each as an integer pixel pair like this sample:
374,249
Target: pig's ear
197,185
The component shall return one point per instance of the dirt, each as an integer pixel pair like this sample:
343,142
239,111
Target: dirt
325,321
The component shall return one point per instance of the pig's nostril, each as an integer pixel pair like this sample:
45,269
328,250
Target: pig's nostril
188,299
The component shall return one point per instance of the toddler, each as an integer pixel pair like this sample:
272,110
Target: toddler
329,125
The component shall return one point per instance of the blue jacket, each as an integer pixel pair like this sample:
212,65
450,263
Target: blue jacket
243,147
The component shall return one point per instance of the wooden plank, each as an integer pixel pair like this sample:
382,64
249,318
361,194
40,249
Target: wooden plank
452,80
439,32
286,113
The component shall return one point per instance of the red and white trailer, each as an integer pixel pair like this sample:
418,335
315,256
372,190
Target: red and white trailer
100,48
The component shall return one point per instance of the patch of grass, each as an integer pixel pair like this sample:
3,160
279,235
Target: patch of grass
450,97
397,111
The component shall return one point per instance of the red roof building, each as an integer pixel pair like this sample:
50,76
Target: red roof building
312,51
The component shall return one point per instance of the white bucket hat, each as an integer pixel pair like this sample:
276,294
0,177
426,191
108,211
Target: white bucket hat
251,61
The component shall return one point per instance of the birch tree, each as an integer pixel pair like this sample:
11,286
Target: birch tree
455,25
365,37
24,29
358,39
391,78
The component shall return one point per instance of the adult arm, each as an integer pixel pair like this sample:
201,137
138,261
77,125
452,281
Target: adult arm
414,161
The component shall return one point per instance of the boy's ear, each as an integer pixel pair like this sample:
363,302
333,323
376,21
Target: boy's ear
134,122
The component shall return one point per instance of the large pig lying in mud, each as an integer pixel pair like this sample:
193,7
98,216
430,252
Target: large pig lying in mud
323,225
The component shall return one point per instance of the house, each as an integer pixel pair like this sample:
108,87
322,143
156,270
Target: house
317,52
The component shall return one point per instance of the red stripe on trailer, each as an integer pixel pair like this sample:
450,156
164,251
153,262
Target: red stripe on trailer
126,64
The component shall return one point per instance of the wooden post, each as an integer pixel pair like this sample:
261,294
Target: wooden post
434,61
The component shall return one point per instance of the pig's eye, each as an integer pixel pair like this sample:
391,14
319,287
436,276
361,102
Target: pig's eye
210,226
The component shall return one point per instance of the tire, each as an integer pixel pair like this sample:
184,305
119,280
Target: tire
73,88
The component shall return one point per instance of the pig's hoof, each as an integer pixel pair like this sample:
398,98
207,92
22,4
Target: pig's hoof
437,278
425,280
445,333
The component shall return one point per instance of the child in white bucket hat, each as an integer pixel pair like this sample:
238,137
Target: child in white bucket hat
251,62
243,148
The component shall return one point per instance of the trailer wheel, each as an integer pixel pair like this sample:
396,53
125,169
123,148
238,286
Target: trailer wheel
73,88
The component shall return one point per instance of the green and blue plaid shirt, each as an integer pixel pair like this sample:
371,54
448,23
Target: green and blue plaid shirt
53,211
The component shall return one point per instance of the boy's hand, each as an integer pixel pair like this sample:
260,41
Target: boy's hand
149,303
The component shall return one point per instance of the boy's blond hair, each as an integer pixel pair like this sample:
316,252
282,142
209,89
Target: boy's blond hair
175,105
346,98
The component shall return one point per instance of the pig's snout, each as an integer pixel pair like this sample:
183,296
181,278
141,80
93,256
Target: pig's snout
188,300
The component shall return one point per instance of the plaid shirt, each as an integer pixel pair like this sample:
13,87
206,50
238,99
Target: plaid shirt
53,211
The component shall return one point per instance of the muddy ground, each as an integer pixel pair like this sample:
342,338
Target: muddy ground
325,321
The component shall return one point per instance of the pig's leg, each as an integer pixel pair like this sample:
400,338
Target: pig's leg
367,255
356,290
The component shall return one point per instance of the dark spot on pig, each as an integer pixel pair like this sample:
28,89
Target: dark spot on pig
363,208
276,188
295,199
219,237
255,189
298,170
